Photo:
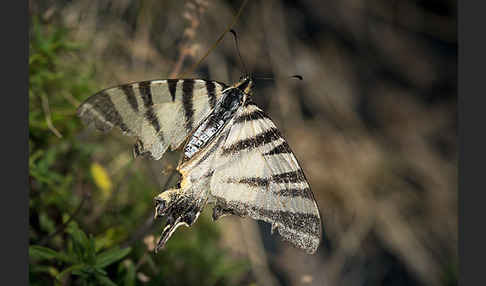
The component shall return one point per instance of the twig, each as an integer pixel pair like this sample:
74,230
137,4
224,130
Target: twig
64,225
140,232
100,210
47,112
256,252
191,14
147,226
69,97
182,56
237,16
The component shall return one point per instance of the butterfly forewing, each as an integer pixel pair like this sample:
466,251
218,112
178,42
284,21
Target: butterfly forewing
259,176
161,113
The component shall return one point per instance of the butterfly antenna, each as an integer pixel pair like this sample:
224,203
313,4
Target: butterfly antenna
237,45
297,76
235,18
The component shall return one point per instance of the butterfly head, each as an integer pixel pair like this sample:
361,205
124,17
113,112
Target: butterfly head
162,203
245,84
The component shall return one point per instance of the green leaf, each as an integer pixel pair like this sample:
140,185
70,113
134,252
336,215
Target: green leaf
108,257
78,236
129,279
52,271
104,280
46,223
62,256
90,251
41,252
72,268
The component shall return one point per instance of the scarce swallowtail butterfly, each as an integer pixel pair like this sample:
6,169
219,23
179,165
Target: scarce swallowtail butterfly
234,156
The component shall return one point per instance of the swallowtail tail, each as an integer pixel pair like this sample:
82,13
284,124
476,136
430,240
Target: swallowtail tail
234,155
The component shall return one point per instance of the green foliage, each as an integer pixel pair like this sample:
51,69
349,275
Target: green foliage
80,258
55,85
76,226
194,250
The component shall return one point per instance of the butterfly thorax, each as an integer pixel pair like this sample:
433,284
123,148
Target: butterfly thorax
225,109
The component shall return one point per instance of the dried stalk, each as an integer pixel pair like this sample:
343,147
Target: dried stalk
47,113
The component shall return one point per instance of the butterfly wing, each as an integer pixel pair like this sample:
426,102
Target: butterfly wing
160,113
259,176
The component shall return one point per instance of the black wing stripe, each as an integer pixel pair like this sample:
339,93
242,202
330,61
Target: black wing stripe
280,149
145,93
254,115
130,96
268,136
210,88
103,104
258,182
296,176
251,181
172,84
304,193
187,102
151,117
289,177
303,222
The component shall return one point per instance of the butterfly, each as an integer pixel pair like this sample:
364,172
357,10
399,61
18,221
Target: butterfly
234,156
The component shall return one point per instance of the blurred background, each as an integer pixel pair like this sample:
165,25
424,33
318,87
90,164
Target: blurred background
373,124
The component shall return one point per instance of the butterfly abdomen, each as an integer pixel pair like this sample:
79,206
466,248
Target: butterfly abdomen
211,126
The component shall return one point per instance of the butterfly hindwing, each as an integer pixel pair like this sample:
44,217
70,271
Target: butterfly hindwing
160,113
258,176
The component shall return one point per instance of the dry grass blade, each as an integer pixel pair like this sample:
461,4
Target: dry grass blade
47,113
236,17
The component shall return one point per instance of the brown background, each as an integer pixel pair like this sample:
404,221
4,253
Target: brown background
373,123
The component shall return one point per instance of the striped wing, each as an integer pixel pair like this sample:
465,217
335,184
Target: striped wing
261,178
160,113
